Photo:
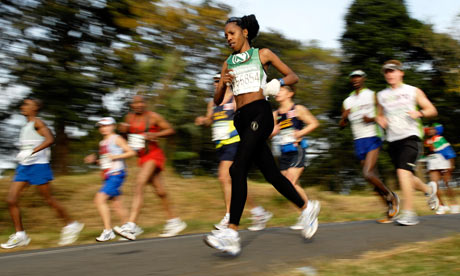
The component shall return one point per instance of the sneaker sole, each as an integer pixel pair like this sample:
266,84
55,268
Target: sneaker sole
26,243
119,232
230,252
168,235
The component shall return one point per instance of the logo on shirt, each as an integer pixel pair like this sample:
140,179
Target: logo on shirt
240,58
254,125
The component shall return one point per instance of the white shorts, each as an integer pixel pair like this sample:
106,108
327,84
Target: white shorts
437,162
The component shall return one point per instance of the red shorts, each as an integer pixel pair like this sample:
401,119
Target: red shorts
155,154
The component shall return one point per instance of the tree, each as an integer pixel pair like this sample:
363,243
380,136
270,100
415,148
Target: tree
63,51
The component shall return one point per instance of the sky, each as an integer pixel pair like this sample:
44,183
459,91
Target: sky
323,21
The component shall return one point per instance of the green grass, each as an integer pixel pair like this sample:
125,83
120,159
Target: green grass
439,257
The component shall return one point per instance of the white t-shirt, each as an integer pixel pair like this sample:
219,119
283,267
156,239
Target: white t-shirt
396,103
359,105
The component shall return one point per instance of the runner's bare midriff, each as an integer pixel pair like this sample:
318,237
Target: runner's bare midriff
244,99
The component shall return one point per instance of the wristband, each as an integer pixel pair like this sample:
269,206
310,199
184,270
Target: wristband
421,112
281,81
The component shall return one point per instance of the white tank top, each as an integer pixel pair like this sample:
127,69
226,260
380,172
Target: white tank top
108,146
396,103
30,139
359,105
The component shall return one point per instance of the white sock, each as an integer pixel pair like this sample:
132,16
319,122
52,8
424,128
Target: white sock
258,211
21,234
131,224
173,220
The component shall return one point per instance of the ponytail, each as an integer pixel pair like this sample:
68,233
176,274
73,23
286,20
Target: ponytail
248,22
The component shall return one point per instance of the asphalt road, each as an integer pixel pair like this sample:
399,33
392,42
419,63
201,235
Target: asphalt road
270,249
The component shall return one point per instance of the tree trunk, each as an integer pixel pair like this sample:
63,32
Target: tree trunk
60,150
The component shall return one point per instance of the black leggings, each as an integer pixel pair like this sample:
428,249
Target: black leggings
254,123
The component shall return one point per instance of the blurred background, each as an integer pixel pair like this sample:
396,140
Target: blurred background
86,58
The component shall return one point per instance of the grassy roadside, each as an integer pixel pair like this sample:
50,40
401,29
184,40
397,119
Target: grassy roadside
198,201
438,257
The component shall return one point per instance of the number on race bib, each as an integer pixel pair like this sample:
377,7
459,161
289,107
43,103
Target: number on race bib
136,141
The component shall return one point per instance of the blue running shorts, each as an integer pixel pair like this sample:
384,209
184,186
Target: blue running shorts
36,174
113,184
365,145
227,152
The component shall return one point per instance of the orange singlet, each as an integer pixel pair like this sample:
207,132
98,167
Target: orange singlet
152,150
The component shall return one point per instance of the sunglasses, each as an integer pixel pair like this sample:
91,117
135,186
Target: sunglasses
233,19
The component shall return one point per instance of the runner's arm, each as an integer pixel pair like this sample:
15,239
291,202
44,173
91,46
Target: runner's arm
44,131
127,150
311,123
276,127
427,108
205,120
344,120
165,127
380,118
222,86
267,57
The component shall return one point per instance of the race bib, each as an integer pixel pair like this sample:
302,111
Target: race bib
287,136
247,79
220,131
136,141
105,162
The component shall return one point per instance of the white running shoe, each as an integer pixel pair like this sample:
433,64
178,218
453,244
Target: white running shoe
223,224
455,209
309,232
173,227
298,225
69,233
106,235
16,240
259,221
407,218
309,218
225,240
127,231
442,210
433,200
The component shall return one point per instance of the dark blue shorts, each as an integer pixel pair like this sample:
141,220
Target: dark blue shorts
36,174
365,145
113,184
292,159
227,152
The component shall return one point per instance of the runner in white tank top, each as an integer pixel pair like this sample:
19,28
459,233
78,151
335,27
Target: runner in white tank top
398,114
34,169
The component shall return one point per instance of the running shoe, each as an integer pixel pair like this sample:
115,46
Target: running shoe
407,218
259,221
225,240
385,220
310,219
69,233
455,209
298,225
223,223
393,206
433,200
127,231
16,240
173,227
311,230
106,235
442,210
